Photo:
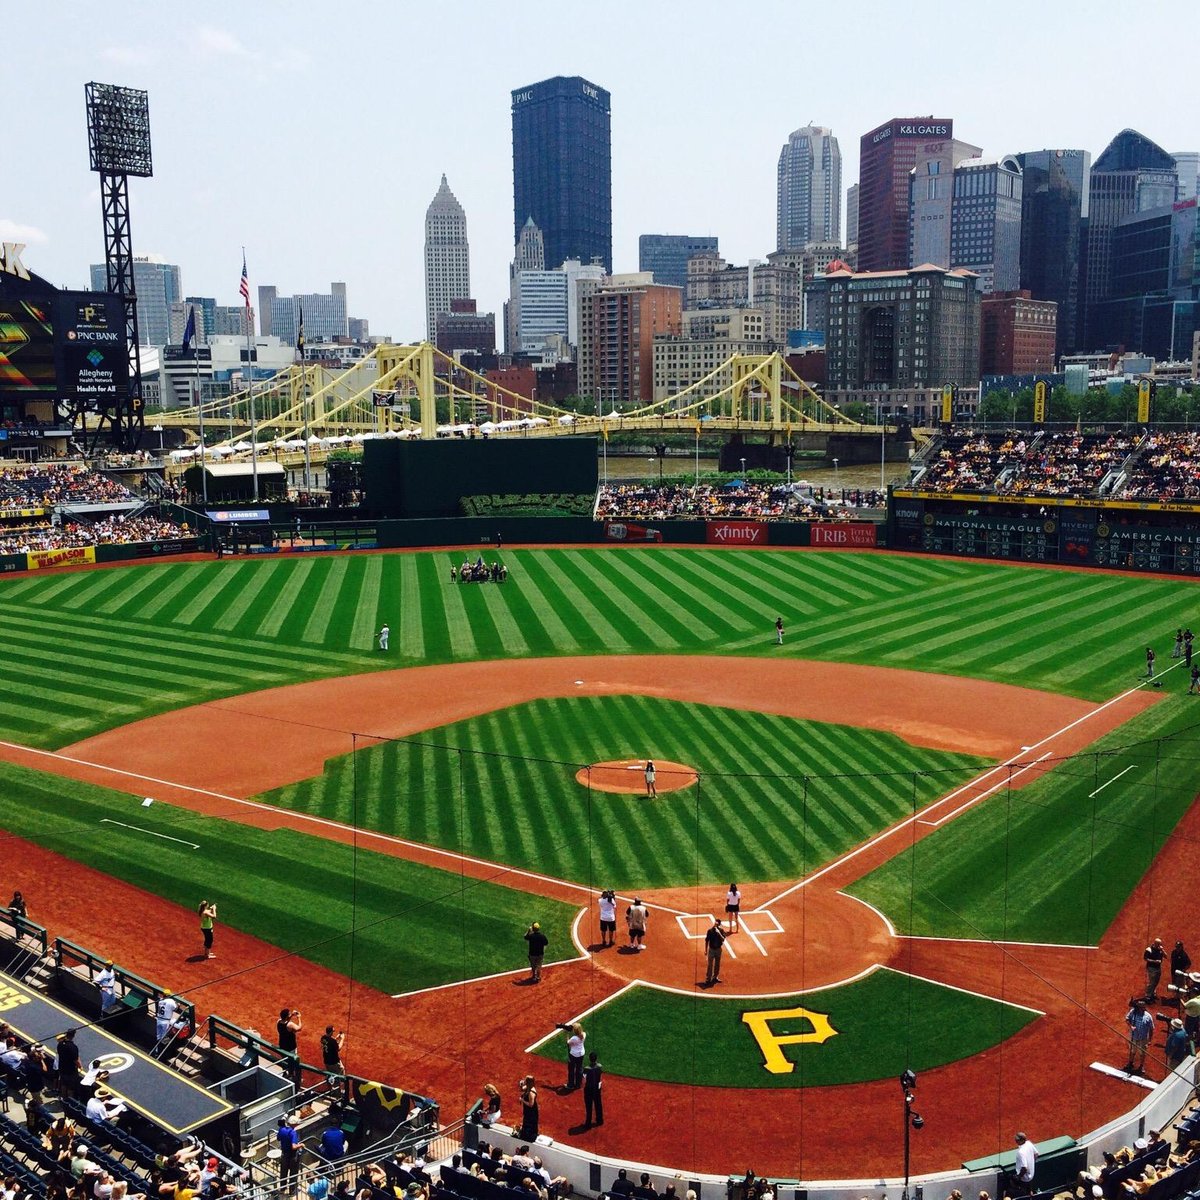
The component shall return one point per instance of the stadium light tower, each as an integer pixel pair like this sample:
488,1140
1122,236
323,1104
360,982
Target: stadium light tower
119,146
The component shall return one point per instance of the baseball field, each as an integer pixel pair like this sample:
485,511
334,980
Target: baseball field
955,808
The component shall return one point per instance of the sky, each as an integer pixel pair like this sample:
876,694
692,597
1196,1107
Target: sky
315,135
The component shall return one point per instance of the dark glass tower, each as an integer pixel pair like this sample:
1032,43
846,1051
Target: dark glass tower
1053,207
562,168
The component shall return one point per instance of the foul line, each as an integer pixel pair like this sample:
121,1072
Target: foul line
165,837
1011,761
1112,780
918,937
291,814
442,987
587,1012
984,795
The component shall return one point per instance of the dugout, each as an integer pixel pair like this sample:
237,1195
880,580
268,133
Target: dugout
407,479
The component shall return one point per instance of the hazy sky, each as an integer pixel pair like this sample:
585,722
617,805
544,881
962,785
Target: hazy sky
316,134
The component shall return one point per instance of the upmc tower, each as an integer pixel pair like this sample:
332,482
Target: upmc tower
562,168
886,156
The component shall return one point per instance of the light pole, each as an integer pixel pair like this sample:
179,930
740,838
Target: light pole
789,452
660,449
743,462
837,479
882,439
159,430
912,1120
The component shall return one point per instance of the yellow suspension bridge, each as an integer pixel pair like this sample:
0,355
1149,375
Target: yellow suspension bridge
416,391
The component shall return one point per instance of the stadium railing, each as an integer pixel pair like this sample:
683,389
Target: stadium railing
76,969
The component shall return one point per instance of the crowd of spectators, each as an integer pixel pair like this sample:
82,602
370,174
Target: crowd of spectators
736,501
970,461
1168,468
1067,464
47,485
1162,466
114,530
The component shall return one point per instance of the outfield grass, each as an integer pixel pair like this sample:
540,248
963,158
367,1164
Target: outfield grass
394,925
777,797
85,651
885,1023
1055,860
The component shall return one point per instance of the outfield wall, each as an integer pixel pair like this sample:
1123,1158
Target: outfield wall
1089,533
482,531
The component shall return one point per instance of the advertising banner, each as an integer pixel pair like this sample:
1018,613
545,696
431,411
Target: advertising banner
844,534
72,556
627,531
735,533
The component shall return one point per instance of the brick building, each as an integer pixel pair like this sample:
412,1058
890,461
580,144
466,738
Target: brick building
1017,334
902,329
618,318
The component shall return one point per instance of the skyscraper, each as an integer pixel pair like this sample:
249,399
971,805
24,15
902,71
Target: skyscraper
1132,175
1187,163
985,222
562,168
887,154
666,255
157,286
809,189
1054,202
931,200
447,256
852,215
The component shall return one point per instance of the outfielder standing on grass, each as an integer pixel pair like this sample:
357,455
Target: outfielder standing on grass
384,633
779,631
1149,662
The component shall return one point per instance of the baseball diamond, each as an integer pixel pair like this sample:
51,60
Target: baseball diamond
950,808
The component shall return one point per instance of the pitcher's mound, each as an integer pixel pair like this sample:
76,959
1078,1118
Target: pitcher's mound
630,776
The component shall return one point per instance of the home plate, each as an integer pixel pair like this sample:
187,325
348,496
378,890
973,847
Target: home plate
1105,1069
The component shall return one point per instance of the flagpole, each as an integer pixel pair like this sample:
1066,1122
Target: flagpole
200,411
250,371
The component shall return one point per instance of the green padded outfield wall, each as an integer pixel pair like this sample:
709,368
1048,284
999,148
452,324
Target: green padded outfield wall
428,479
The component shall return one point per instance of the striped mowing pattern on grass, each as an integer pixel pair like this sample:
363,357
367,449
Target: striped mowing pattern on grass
502,787
1055,860
167,635
413,926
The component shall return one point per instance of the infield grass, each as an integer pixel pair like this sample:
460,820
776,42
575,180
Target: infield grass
86,651
1055,859
391,924
884,1023
776,796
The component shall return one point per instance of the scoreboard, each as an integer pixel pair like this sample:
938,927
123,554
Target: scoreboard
1087,537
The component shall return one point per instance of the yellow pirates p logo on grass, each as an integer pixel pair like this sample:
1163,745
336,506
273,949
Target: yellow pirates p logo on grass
769,1043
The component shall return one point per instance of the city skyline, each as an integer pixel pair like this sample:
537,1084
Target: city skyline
711,167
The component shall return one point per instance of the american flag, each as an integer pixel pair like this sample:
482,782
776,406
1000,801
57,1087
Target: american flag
245,284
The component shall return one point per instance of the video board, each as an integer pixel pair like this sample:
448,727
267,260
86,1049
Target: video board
63,346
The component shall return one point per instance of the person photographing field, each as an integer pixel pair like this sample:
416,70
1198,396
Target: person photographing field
207,912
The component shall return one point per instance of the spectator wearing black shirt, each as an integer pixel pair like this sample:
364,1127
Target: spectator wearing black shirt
288,1026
